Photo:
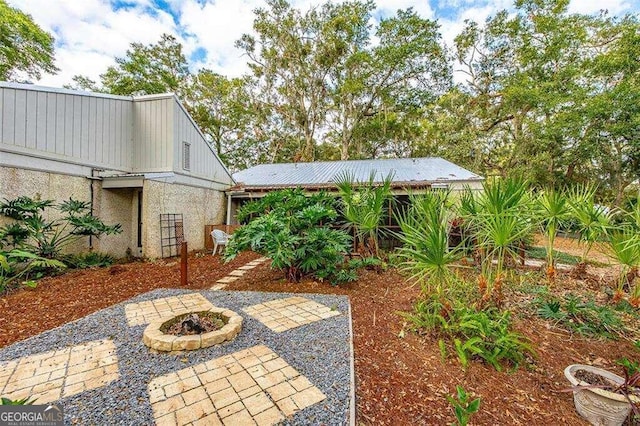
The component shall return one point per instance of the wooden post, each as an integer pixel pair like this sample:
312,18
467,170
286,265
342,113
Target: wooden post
183,264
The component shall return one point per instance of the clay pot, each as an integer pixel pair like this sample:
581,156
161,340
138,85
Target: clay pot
599,406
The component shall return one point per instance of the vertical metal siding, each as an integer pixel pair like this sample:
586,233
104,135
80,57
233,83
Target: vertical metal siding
153,134
82,129
204,163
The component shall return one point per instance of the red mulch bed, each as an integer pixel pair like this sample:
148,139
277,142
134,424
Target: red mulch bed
400,377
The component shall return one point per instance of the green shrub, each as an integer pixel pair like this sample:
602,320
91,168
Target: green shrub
88,260
19,266
293,230
46,238
364,206
425,236
486,334
579,315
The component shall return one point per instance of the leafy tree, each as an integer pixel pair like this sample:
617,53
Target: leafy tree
25,49
145,70
226,111
318,73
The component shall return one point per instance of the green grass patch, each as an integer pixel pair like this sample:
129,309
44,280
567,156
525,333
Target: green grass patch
561,257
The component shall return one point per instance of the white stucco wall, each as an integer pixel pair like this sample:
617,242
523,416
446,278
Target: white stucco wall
199,207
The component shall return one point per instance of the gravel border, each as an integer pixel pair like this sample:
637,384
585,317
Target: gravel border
321,351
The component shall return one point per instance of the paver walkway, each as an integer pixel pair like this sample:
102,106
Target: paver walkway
250,387
52,375
284,314
151,310
237,273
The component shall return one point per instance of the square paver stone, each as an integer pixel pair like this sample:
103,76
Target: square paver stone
253,386
151,310
284,314
49,376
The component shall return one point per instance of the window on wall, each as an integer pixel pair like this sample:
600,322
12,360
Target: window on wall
186,155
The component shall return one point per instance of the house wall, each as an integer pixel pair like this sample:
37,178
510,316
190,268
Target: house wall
199,207
205,168
88,130
16,182
117,206
153,145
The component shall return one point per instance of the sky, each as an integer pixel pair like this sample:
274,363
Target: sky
91,33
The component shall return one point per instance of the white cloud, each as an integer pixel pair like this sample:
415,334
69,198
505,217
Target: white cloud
90,34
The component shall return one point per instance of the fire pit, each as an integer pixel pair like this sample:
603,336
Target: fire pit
192,330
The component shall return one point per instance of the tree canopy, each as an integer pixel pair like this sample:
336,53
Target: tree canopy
535,91
26,50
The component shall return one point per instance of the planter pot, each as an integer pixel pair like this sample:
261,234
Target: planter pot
600,407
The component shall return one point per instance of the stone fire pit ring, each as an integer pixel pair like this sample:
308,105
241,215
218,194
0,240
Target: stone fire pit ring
154,338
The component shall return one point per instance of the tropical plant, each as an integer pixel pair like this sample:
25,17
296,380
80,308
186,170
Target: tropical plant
580,315
16,265
425,236
88,260
501,218
22,401
47,238
486,334
364,207
624,248
593,220
553,210
463,407
293,230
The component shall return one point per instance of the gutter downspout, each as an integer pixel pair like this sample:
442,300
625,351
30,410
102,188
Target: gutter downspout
229,209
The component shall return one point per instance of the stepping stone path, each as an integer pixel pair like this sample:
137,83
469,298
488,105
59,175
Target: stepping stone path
49,376
284,314
250,387
151,310
237,273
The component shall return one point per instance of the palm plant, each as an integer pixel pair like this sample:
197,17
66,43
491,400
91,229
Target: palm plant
553,210
593,221
425,236
363,206
624,248
502,221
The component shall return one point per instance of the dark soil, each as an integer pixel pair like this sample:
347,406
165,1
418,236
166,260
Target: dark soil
594,379
193,323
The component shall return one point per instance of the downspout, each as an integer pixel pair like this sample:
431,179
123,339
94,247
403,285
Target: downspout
93,178
229,209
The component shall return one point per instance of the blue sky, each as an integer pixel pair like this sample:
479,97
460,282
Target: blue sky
91,33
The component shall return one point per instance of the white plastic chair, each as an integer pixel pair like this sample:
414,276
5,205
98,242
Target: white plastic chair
219,238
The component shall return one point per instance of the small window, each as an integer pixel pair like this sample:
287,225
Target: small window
186,155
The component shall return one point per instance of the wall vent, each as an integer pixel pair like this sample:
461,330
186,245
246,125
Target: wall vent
186,155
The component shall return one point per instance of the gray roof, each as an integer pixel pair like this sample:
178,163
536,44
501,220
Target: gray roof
406,171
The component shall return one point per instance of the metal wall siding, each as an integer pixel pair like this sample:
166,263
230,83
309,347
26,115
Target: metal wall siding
63,125
153,135
20,121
